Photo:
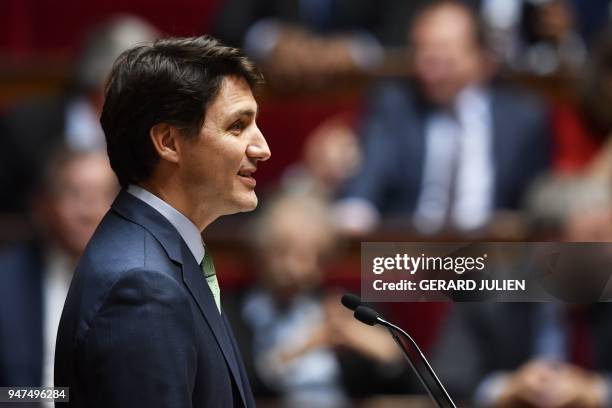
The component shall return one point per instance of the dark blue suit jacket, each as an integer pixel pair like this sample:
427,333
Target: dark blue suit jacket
21,315
393,144
140,327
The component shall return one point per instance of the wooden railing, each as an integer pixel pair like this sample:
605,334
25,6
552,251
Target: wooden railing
31,77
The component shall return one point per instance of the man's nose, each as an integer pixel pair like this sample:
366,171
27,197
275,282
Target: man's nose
258,148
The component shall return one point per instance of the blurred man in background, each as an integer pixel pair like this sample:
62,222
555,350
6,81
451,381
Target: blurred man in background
330,156
31,132
541,37
300,344
543,354
74,193
452,147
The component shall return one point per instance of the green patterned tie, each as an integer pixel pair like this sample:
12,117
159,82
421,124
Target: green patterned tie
208,268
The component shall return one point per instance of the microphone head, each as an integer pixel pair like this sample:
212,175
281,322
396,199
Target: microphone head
351,301
366,315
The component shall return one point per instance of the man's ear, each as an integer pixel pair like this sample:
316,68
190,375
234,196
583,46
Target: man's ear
164,138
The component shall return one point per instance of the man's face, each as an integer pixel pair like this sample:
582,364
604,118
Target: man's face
217,166
446,55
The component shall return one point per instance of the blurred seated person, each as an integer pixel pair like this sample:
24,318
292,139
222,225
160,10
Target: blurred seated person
579,206
538,354
298,344
32,131
330,156
582,129
540,37
450,147
314,42
527,354
75,191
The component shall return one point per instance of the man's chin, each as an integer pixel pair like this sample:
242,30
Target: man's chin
246,204
251,206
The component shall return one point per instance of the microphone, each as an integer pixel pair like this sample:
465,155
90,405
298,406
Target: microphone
350,301
371,317
366,315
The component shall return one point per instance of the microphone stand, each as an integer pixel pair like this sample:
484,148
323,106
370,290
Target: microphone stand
393,330
370,317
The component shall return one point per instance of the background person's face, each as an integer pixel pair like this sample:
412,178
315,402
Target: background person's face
84,191
291,258
216,165
446,57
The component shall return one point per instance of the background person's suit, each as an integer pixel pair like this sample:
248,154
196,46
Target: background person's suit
21,315
393,143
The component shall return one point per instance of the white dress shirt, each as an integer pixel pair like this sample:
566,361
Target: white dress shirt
56,281
458,145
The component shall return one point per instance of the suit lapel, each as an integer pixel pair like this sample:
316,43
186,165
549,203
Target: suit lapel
194,280
404,124
416,144
502,136
248,393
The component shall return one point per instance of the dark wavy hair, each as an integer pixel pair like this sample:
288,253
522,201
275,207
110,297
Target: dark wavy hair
171,81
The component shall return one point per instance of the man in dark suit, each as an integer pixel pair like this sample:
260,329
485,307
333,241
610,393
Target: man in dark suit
451,147
143,323
74,195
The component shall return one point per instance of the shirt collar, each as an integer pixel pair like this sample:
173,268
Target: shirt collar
186,229
473,100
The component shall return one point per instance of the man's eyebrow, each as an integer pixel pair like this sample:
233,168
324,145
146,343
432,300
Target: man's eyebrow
245,112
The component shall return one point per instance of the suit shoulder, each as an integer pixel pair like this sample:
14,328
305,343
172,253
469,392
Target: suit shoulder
392,92
519,100
119,245
119,250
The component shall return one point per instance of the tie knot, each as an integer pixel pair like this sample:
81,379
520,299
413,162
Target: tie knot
208,267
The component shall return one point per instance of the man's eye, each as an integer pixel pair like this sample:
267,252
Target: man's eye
237,127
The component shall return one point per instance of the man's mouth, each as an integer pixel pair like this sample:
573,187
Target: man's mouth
246,175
